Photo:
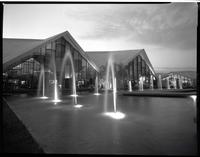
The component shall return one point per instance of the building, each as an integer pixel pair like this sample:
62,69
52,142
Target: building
25,59
179,79
130,65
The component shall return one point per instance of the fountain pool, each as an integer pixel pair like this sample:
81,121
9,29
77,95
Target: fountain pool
152,126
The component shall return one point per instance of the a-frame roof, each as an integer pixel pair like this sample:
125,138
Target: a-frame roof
119,57
15,47
18,50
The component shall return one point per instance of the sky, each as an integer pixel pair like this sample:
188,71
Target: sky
167,32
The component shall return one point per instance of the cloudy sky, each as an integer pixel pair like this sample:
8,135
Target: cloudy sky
167,32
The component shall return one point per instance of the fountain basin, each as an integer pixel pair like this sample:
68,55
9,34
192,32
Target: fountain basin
115,115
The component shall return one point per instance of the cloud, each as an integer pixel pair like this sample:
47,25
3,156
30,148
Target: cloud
164,30
171,25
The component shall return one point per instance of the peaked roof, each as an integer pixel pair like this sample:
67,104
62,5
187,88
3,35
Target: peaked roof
15,47
122,56
18,50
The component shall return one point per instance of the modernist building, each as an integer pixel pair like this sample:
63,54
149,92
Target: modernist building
23,60
130,65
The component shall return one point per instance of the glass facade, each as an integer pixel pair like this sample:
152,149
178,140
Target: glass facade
24,75
138,68
132,71
51,55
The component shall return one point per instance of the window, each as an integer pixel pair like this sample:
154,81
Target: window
130,70
48,46
83,71
76,63
79,65
135,68
58,50
143,67
139,66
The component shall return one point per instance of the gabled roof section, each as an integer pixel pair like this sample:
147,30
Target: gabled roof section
119,57
29,47
15,47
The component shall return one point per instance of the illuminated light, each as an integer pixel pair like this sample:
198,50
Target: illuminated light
78,106
115,115
74,95
56,100
130,86
44,97
97,94
194,97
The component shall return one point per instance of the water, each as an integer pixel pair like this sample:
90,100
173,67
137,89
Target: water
56,97
130,86
141,84
68,57
96,86
110,69
168,87
174,83
152,126
180,83
41,83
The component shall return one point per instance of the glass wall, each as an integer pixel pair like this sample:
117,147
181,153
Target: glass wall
24,75
137,68
53,52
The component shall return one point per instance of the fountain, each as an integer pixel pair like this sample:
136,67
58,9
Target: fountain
96,86
194,97
167,79
56,98
68,56
151,82
174,82
130,86
141,83
115,114
42,79
180,82
160,82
